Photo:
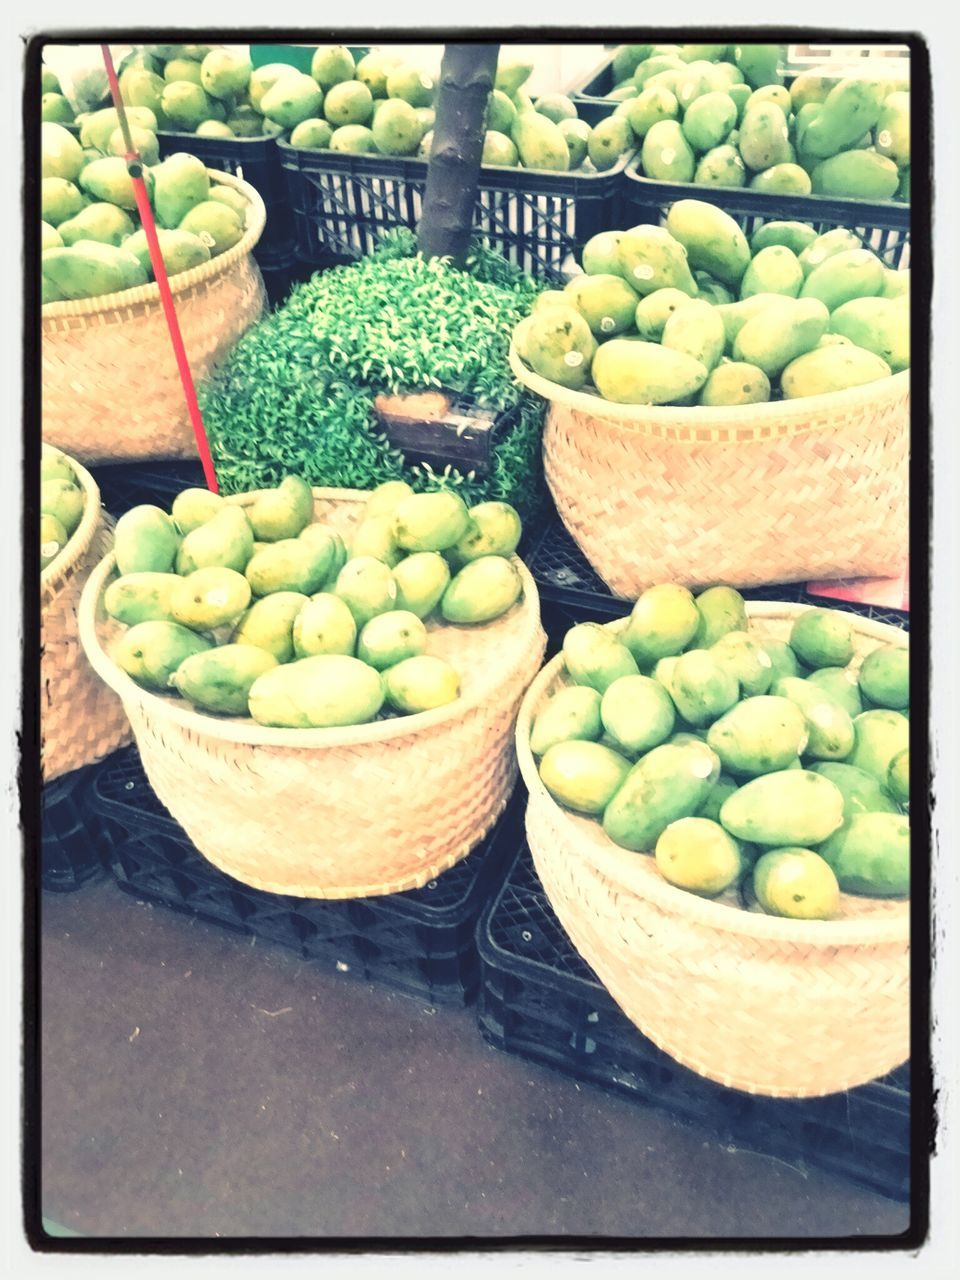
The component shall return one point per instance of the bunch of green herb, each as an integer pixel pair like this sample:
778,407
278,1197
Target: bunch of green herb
297,392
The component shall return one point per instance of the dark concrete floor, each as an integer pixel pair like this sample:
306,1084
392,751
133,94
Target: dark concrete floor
194,1084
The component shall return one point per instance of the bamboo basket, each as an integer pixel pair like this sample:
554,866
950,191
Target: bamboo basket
338,813
111,390
785,1008
81,720
788,491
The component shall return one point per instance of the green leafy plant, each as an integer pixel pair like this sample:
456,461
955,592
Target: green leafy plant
297,392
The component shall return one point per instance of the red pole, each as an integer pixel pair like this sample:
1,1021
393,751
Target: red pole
135,169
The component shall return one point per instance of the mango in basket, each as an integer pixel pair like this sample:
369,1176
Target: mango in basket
601,254
702,687
783,661
698,855
796,883
53,538
209,598
596,658
796,236
103,222
606,302
559,345
718,795
712,239
662,622
852,273
332,64
822,638
367,588
290,565
898,777
386,497
880,735
268,623
651,258
180,183
220,679
150,652
697,331
430,521
55,465
374,537
829,369
763,734
747,660
735,382
180,250
421,579
828,245
421,683
145,541
653,312
61,155
224,73
62,499
481,591
216,225
880,325
572,713
283,512
721,609
839,684
736,314
194,507
540,142
791,807
861,791
721,167
870,855
583,776
775,269
141,597
494,530
390,638
830,728
781,332
224,541
631,372
666,154
637,713
98,127
672,781
576,134
323,691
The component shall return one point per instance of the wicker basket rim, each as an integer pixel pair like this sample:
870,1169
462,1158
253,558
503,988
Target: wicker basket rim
248,732
786,416
59,572
183,280
893,928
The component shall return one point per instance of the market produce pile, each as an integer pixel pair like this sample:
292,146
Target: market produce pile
693,313
297,392
738,761
61,504
722,116
263,611
91,239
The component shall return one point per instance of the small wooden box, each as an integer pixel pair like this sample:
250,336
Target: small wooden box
441,430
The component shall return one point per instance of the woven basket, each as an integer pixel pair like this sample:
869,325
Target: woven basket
786,1008
788,491
339,813
81,720
111,389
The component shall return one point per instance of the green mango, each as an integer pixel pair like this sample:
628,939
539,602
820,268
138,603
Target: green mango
739,95
746,658
411,85
150,652
736,314
809,86
572,713
880,735
225,73
296,97
50,84
140,87
59,200
220,680
55,465
214,224
180,69
180,183
721,789
721,610
828,245
386,497
500,113
99,126
498,149
762,734
877,324
355,139
696,854
63,500
790,807
144,141
668,783
50,237
324,691
481,591
795,236
649,107
699,79
709,120
494,530
268,624
775,269
324,624
333,64
635,372
851,109
781,332
607,303
194,507
312,135
892,132
713,240
391,638
102,222
870,855
783,661
224,541
53,538
291,564
594,657
653,312
735,382
666,155
861,791
283,512
885,677
209,598
107,179
627,58
775,93
822,638
896,284
422,683
601,254
653,258
421,579
840,685
863,175
430,521
180,250
697,331
830,728
764,136
560,346
829,369
637,713
367,587
186,105
61,155
760,63
540,143
145,541
374,537
788,179
898,777
721,167
796,883
607,142
583,776
661,624
702,687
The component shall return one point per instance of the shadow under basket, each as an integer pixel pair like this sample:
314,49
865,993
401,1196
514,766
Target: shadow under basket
420,942
540,1000
71,845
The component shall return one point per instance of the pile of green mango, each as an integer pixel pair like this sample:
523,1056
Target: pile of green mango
91,239
261,611
721,115
693,312
769,767
61,503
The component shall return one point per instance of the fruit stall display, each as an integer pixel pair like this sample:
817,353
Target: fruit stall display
713,778
663,359
247,642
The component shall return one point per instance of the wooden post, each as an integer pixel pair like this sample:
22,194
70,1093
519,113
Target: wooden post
467,76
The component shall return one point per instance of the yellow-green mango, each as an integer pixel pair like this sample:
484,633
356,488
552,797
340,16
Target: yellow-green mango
59,200
783,661
220,680
697,331
827,245
150,652
649,107
61,155
283,512
572,713
386,497
482,590
583,776
885,677
55,465
53,538
898,777
411,84
356,139
145,541
702,687
653,312
790,807
494,530
877,324
180,250
194,507
218,226
225,73
595,657
141,597
666,154
829,369
576,134
367,587
50,237
780,333
421,579
880,735
332,64
736,314
631,372
840,685
796,883
390,638
785,178
861,791
105,223
863,175
696,854
183,69
662,623
209,598
500,112
870,855
107,179
795,236
225,541
268,623
735,382
606,302
896,284
324,691
713,240
810,86
637,714
654,65
601,254
186,105
708,120
607,142
560,346
62,499
721,609
669,782
324,624
498,149
764,136
288,565
851,109
540,143
721,167
892,132
822,638
97,128
374,537
775,269
430,521
421,683
830,728
180,183
760,63
747,659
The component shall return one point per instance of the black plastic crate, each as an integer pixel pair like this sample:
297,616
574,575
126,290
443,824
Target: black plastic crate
70,841
421,942
884,227
539,220
128,484
571,591
282,268
540,1000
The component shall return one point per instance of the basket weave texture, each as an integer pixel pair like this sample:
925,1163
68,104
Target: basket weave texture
81,719
785,1008
111,389
339,813
793,490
